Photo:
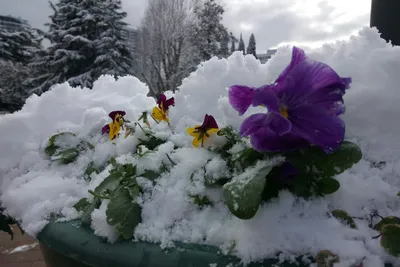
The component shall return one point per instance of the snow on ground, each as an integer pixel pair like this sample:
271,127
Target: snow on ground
32,188
22,248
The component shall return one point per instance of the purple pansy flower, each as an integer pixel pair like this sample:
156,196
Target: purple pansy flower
164,103
303,107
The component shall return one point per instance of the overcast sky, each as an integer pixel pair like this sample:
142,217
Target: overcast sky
273,22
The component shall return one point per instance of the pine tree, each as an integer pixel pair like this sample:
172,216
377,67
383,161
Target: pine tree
19,46
87,40
241,45
70,54
209,32
234,40
17,50
251,48
12,91
224,45
113,55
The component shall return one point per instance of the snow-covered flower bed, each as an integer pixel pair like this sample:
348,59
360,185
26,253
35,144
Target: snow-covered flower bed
217,167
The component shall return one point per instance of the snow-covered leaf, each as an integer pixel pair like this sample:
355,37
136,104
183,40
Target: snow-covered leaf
243,196
123,212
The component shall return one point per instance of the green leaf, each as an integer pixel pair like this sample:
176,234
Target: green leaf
201,201
68,156
243,196
134,191
273,184
82,204
344,217
91,169
342,159
123,213
53,138
152,142
129,169
229,133
390,239
326,258
385,221
150,174
113,162
247,157
314,159
85,145
87,213
111,183
51,147
50,150
219,182
328,186
303,185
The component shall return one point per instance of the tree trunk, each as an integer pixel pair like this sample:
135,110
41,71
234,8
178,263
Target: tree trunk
385,15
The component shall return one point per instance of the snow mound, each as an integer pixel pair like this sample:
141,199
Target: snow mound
31,188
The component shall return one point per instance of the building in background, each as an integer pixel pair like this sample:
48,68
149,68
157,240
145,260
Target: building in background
13,24
264,57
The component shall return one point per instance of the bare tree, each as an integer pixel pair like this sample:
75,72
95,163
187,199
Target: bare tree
163,48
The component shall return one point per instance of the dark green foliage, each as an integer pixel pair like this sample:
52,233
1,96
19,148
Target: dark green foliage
251,48
88,39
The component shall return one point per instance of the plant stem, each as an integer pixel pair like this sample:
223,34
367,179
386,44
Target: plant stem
375,237
173,163
140,126
154,119
98,195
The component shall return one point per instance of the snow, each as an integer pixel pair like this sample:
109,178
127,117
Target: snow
32,188
22,248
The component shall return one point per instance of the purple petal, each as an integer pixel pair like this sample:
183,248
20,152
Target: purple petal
266,140
275,123
169,102
298,56
105,129
306,78
161,98
346,82
329,98
318,127
266,97
209,122
240,97
115,112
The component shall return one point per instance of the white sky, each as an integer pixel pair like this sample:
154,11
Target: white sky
273,22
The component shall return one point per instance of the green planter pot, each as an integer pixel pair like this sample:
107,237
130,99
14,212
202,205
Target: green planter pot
71,244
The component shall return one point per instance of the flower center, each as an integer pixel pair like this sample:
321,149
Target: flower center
284,111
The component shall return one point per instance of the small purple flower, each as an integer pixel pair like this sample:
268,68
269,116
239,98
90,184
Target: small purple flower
303,107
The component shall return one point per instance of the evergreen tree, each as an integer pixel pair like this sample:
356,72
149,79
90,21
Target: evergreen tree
251,48
224,45
17,50
12,91
209,32
19,46
233,42
87,40
70,53
241,45
113,55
